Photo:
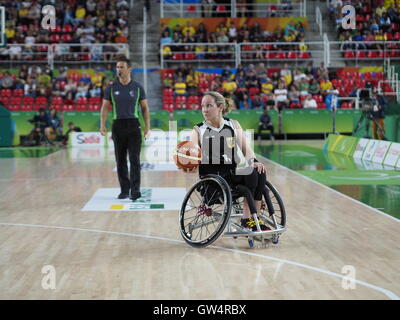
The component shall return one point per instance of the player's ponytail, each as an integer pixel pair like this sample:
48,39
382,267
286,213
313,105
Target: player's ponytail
227,103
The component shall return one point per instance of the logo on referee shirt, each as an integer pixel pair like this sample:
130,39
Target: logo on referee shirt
132,93
116,93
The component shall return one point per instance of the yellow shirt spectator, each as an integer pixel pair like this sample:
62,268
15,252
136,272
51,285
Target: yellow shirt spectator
166,51
267,87
80,13
229,86
325,85
10,33
191,30
97,79
180,87
191,81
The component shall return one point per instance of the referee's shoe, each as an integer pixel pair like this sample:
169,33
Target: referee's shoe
135,195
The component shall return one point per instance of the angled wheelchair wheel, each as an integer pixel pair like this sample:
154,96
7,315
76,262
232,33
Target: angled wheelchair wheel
274,210
205,211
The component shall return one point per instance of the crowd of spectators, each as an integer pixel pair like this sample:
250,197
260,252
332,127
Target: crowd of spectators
253,87
182,39
53,88
77,22
376,20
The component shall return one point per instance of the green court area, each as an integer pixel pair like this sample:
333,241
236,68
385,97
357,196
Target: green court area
372,184
26,152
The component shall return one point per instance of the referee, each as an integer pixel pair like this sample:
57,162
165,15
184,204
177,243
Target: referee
125,95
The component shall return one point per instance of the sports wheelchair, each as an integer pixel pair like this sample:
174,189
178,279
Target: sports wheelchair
211,206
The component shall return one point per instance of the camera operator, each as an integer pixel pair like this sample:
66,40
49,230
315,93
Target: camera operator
40,121
379,104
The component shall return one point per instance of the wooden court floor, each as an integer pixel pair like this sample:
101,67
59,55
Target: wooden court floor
334,247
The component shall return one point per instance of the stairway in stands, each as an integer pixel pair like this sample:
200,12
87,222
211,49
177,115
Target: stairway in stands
152,53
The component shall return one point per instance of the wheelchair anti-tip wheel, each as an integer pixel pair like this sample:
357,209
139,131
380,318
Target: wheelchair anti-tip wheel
205,211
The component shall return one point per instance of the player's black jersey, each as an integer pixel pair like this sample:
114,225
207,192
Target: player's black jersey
218,148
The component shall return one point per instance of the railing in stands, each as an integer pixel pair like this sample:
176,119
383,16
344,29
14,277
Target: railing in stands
67,53
236,53
233,9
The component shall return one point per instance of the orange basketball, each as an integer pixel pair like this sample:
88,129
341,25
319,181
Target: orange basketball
187,155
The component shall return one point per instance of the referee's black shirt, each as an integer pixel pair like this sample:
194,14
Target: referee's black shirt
125,99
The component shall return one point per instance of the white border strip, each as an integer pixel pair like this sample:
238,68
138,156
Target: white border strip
333,190
386,292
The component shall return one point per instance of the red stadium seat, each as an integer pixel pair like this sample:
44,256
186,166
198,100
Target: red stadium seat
191,8
15,100
67,29
168,99
349,54
54,38
304,55
28,100
18,93
254,91
321,106
291,55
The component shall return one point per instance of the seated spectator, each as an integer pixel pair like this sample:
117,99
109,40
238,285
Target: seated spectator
189,28
331,99
314,87
191,83
180,87
304,86
82,90
293,95
257,102
71,128
286,73
309,102
265,123
232,32
325,85
229,86
226,73
281,96
266,87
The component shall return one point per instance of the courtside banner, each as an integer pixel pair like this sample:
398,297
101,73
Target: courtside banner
345,145
331,141
360,148
393,155
85,139
380,152
370,150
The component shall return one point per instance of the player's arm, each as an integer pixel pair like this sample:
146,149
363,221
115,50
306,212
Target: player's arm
195,137
242,141
104,115
146,116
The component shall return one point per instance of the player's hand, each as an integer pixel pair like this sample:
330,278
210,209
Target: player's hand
259,166
193,170
103,131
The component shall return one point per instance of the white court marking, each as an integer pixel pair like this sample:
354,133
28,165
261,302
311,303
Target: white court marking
105,199
386,292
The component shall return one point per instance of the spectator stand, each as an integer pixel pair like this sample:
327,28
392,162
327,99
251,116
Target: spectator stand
232,9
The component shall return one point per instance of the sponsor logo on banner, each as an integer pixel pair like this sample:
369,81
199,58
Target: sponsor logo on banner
360,148
370,150
82,139
393,155
380,151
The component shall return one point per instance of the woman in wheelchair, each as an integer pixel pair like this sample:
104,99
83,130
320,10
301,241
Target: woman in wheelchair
221,139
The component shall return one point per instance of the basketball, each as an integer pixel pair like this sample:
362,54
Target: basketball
187,155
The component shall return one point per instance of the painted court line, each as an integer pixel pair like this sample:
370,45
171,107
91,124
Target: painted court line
342,194
386,292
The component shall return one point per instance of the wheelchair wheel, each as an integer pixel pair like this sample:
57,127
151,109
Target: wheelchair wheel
205,211
279,212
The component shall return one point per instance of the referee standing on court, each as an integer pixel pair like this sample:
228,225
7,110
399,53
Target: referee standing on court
125,95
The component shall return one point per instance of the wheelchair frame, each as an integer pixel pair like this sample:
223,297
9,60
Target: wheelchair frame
206,215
